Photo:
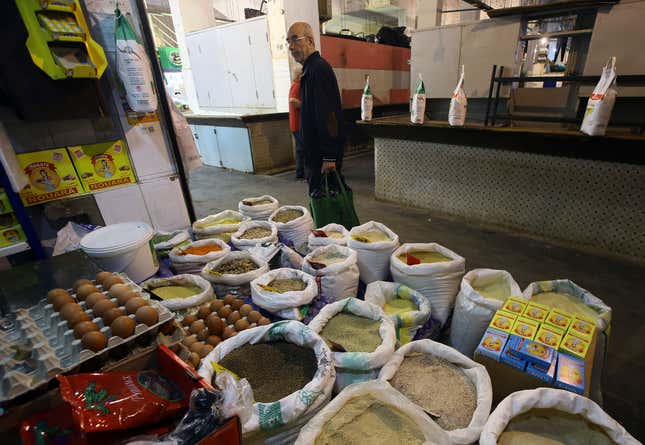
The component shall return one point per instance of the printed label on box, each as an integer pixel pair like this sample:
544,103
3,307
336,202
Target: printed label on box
574,345
51,176
11,235
5,205
525,327
510,355
539,373
559,319
550,336
537,353
583,327
537,312
514,305
492,343
570,374
502,321
102,166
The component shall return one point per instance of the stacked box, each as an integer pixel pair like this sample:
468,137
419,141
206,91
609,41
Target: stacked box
540,355
515,305
574,345
5,205
582,327
570,374
539,373
550,336
503,321
11,235
510,356
536,312
524,327
492,344
559,319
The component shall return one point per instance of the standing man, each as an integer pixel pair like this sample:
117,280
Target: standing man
321,120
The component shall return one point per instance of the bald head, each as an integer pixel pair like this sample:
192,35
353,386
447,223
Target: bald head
301,41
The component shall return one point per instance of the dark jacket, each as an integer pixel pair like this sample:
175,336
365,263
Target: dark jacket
321,118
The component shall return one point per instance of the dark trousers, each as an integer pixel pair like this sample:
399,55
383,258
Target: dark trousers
300,157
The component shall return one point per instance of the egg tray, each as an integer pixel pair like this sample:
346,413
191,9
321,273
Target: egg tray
54,349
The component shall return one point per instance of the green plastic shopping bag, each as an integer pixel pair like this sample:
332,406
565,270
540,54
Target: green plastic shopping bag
334,205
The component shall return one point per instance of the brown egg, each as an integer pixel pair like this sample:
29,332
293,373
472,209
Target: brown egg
94,340
78,283
245,310
111,314
94,298
84,327
224,311
188,341
134,304
68,309
237,304
168,328
123,326
254,316
111,281
215,325
241,325
264,321
188,320
203,311
193,359
216,305
197,326
229,299
233,317
61,300
118,289
124,297
203,334
55,292
102,306
196,347
85,290
102,276
206,349
77,317
228,332
213,340
147,315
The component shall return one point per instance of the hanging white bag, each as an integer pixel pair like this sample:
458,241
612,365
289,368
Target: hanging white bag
296,231
353,367
418,110
475,372
289,304
601,103
245,244
229,279
458,103
335,234
474,310
438,282
521,402
385,394
338,277
258,208
213,225
133,68
178,304
367,101
183,262
373,257
288,412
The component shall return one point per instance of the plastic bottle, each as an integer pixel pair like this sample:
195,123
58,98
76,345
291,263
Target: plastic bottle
418,103
458,103
367,101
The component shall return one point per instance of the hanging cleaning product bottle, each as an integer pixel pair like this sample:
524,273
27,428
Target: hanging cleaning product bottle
458,103
601,103
418,103
367,101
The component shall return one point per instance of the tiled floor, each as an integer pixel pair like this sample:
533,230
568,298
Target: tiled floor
618,283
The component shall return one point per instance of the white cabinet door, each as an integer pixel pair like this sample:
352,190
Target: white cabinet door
209,145
261,63
123,204
216,64
235,40
235,148
165,203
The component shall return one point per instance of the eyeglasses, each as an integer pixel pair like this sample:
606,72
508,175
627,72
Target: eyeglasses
294,39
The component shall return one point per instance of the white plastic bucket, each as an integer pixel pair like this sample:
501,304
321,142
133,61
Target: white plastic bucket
123,247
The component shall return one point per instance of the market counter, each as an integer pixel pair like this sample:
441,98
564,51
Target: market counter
560,185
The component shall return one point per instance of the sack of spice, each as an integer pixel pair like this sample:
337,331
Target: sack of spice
235,269
569,297
547,415
371,412
252,233
432,270
482,292
165,241
336,270
454,390
329,234
362,337
202,291
226,221
408,309
192,257
284,292
294,225
258,208
281,402
374,244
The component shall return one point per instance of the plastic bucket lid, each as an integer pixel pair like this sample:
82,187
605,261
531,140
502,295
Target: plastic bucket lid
115,238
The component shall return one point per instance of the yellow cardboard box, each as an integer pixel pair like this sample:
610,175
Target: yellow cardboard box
11,235
51,176
103,165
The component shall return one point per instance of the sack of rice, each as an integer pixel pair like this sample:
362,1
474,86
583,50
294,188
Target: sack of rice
374,244
569,297
361,336
192,257
294,225
286,374
371,413
222,222
284,292
336,271
552,416
258,208
329,234
180,291
235,269
432,270
164,241
252,233
408,309
451,388
482,292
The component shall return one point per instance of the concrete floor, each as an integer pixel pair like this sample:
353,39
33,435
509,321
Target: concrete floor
614,281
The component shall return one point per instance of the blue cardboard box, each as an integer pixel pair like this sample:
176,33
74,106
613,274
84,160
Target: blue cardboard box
510,356
492,344
541,356
539,373
570,374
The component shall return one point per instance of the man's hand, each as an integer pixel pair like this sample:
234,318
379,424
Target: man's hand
328,167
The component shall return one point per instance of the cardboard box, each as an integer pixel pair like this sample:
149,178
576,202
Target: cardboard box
510,355
550,336
538,354
5,205
51,176
103,165
540,374
536,312
582,327
559,319
515,305
570,374
11,235
7,220
492,343
525,327
503,321
574,345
